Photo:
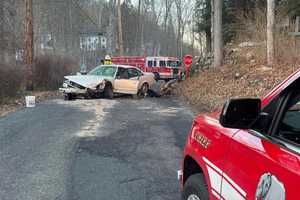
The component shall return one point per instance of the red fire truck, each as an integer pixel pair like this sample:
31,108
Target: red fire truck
166,68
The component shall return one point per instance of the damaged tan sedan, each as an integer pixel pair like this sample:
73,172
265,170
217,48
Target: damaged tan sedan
107,80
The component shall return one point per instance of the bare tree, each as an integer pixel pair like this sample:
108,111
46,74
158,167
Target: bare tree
270,32
183,9
29,45
138,26
120,30
218,37
168,7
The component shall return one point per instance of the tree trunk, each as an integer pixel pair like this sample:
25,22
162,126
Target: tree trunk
29,48
209,42
138,25
211,38
120,30
270,32
218,38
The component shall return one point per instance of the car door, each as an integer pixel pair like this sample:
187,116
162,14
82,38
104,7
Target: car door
124,82
261,162
136,75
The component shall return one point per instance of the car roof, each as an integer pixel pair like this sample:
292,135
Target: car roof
124,66
284,84
128,67
115,65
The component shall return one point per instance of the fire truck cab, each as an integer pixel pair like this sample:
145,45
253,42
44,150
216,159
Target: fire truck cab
166,68
249,150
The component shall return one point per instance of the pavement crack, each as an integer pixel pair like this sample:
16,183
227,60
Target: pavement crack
131,180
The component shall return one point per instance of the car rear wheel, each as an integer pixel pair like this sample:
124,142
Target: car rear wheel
195,188
108,92
143,92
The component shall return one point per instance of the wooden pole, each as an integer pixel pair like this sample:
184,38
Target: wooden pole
29,45
120,30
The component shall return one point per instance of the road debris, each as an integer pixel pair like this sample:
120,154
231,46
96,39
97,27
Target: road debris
162,87
30,101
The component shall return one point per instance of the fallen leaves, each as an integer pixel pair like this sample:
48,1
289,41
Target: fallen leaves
208,90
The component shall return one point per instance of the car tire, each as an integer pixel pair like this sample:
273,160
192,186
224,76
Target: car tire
195,188
142,93
108,92
144,90
69,97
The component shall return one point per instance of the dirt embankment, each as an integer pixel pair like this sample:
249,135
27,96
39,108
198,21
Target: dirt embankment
208,90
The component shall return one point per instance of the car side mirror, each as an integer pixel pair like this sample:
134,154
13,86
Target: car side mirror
240,113
263,122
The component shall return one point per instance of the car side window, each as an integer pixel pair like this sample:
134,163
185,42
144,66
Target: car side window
134,73
122,73
289,125
150,63
263,124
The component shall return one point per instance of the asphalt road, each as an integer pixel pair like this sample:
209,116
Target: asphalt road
93,149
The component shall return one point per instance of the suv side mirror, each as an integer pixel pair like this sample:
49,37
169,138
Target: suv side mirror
240,113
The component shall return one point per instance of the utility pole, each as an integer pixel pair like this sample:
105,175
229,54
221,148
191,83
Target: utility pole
218,36
29,48
212,29
270,32
120,30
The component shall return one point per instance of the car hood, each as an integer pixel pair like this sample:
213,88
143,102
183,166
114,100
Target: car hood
87,81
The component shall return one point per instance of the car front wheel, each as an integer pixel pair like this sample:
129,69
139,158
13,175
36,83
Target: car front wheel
195,188
108,92
69,97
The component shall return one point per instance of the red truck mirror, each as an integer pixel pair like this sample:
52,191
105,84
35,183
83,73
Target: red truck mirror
240,113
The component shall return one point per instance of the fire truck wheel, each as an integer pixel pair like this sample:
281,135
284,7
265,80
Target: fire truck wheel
195,188
108,92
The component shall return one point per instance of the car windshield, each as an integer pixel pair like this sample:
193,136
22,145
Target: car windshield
109,71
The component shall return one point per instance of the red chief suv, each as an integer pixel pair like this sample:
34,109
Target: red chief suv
251,150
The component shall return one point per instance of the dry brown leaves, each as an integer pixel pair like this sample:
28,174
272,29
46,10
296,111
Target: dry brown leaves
208,90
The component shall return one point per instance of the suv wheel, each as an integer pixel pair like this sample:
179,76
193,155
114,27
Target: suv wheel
195,188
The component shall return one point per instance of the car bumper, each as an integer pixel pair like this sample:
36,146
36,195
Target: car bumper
72,91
